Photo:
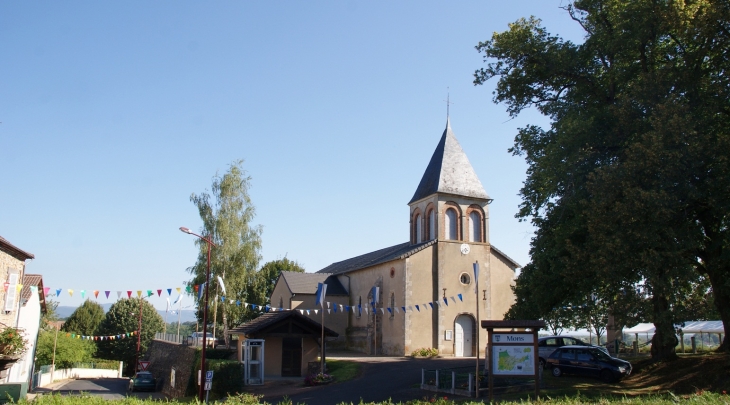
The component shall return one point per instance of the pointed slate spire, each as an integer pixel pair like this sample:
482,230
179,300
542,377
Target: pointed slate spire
449,171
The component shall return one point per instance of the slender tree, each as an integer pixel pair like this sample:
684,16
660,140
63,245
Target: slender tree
227,214
630,184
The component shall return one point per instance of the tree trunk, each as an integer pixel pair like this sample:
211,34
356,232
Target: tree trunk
664,342
721,293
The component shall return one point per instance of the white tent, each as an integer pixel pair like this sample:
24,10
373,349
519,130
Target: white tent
641,328
703,327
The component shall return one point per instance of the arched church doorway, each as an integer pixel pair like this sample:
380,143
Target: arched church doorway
464,329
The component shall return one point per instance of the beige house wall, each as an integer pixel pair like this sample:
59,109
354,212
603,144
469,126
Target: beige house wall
336,321
421,286
502,296
10,264
281,294
390,330
272,356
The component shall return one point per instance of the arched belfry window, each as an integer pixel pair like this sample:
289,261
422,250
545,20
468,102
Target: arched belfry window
475,226
419,231
451,224
432,224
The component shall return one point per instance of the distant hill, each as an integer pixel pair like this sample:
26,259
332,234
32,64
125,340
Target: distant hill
187,315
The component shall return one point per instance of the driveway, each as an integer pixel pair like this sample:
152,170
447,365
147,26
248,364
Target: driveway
383,378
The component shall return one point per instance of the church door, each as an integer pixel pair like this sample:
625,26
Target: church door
463,336
291,357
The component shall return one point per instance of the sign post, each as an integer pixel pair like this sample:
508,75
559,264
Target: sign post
513,353
208,383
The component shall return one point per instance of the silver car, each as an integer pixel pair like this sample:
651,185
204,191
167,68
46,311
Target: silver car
546,345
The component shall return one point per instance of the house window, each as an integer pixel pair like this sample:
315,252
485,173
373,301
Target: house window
432,224
475,227
358,310
281,302
419,232
450,224
464,278
392,305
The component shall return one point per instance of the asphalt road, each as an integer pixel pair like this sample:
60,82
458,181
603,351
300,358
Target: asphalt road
107,388
397,379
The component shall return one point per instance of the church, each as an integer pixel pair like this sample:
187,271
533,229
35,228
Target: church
425,288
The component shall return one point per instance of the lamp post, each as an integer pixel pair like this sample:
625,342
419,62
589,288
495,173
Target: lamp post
201,391
139,335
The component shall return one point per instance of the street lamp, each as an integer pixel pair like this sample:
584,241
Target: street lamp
201,391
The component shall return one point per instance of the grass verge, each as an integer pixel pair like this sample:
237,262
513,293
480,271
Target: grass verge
343,370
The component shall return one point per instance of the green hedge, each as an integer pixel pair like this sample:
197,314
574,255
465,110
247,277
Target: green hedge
227,374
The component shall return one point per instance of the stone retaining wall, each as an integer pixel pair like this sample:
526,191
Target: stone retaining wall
168,359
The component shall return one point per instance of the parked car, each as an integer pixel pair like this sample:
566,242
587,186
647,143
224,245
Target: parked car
587,360
143,380
197,338
546,345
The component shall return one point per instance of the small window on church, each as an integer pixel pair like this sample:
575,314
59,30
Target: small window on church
475,227
432,225
419,232
465,278
281,302
450,224
358,310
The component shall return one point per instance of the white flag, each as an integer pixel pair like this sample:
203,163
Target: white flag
223,286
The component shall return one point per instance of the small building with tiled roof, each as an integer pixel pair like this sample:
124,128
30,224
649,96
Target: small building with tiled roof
420,293
291,341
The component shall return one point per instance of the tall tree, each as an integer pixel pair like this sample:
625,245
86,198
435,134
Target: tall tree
85,319
630,184
123,318
227,214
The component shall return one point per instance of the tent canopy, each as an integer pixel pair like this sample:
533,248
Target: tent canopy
703,327
641,328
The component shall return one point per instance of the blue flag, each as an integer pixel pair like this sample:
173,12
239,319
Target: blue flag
321,294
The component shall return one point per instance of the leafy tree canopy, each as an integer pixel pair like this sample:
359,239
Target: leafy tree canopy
85,319
269,274
69,350
630,184
123,317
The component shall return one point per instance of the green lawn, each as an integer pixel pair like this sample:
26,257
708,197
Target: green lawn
343,370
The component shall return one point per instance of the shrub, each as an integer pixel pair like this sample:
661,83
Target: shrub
425,352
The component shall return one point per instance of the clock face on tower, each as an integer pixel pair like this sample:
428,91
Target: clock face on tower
465,249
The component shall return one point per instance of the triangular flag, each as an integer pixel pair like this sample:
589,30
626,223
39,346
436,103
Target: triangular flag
335,308
238,303
107,294
58,292
431,304
446,301
307,312
316,311
396,310
83,293
410,308
418,309
382,311
390,311
34,289
119,294
404,309
96,293
169,291
460,298
149,293
159,293
452,299
301,311
329,311
129,294
223,299
71,292
45,290
19,287
139,293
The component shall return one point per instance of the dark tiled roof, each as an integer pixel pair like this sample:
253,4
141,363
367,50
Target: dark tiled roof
306,283
385,255
396,252
501,253
270,319
14,251
449,171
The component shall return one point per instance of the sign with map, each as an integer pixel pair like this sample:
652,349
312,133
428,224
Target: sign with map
513,360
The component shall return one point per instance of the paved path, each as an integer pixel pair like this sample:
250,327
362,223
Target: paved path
383,378
107,388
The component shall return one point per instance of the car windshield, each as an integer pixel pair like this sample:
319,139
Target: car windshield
600,355
144,375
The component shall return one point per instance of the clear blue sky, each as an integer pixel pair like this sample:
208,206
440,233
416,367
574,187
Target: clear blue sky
113,113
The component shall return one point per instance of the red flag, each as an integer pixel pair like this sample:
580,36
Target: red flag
159,293
96,293
129,294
